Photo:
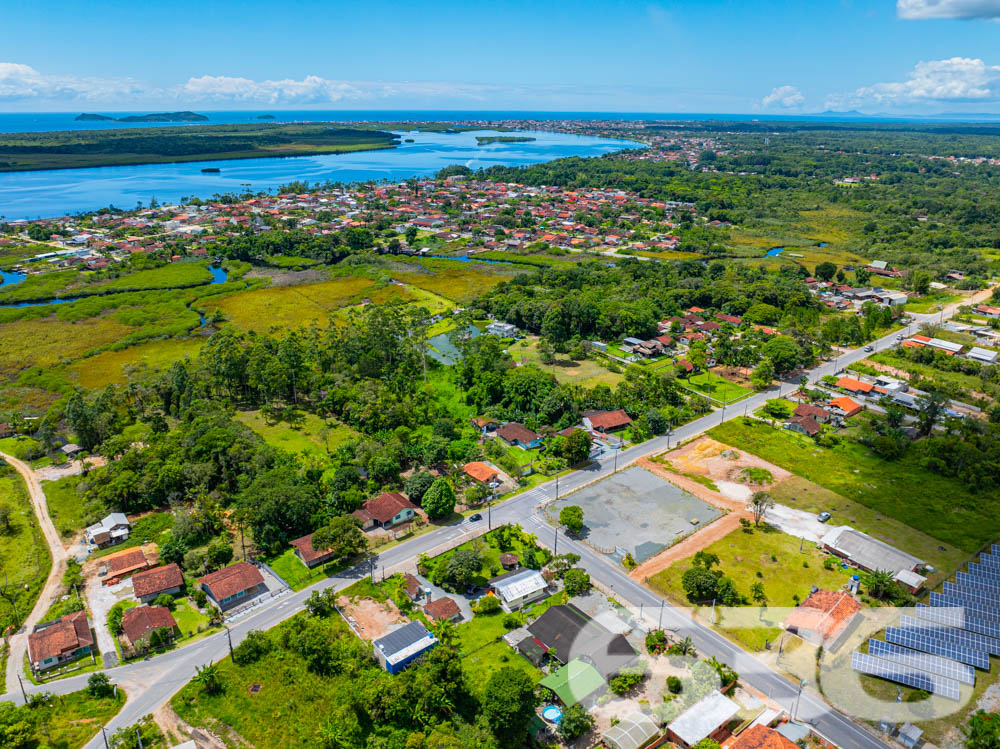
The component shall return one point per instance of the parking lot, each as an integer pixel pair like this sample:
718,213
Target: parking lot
635,511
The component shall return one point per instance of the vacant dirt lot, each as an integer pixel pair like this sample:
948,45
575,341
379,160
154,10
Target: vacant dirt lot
372,619
723,465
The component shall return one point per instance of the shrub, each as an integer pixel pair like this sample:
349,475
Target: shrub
166,600
656,641
674,685
488,605
99,685
255,646
200,598
576,581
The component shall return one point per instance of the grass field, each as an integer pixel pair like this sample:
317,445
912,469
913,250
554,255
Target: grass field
66,505
803,494
291,569
460,281
49,341
930,302
939,506
717,387
586,372
69,721
108,367
742,555
24,555
312,435
188,618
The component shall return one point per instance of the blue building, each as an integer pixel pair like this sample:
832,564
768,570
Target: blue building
400,648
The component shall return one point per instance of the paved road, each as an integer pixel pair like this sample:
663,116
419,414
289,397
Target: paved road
151,683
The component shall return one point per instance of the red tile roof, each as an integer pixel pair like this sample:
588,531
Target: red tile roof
126,562
386,506
762,737
67,634
824,611
480,471
158,580
140,621
231,580
609,419
514,432
805,409
306,550
442,608
857,386
846,405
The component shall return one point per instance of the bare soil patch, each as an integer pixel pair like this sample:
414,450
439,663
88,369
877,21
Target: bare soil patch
289,277
371,619
723,464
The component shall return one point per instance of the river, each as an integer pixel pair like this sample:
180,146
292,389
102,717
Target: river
43,194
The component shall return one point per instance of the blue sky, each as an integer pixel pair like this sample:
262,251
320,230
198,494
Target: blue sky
903,56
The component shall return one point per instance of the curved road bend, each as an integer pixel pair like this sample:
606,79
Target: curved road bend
150,684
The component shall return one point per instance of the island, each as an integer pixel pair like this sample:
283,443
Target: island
155,117
485,140
265,117
127,146
87,117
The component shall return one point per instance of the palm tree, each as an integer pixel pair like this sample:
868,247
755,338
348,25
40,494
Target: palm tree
685,647
445,631
879,582
208,677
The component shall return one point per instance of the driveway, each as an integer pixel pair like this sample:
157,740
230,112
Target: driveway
798,523
101,598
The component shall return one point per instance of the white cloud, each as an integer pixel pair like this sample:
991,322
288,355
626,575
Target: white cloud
962,9
23,82
786,97
959,79
310,90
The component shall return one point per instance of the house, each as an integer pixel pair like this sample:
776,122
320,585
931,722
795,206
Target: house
823,616
484,424
60,641
606,421
412,587
124,564
909,735
893,298
310,556
501,329
854,386
759,736
982,354
139,623
637,731
71,449
113,529
386,510
517,434
575,682
566,633
518,588
398,649
232,584
705,719
731,319
480,472
149,584
804,425
819,414
870,554
443,608
987,311
844,407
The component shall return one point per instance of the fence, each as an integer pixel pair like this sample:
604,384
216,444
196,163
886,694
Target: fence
243,608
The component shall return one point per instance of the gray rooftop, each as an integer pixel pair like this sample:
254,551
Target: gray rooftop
869,553
704,717
402,638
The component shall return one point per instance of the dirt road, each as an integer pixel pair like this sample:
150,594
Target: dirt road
19,641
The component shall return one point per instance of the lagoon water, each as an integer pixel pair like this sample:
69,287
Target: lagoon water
43,194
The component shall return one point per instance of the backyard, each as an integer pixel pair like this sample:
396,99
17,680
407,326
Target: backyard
585,372
291,569
717,387
937,505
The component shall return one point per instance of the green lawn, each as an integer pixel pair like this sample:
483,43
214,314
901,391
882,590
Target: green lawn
717,387
937,505
147,529
586,372
188,618
311,434
291,569
742,555
66,504
930,302
24,555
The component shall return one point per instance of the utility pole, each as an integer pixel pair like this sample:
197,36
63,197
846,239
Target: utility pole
243,542
659,622
23,693
104,733
138,737
229,637
489,510
616,459
555,543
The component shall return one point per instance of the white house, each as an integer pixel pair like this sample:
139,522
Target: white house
518,588
111,530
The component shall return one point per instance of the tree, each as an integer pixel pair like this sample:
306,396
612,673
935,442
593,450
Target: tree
208,677
825,271
99,685
128,737
862,276
164,599
417,485
763,374
342,537
705,559
759,504
879,583
5,516
757,593
783,353
445,631
576,581
16,726
931,409
576,447
685,648
508,703
255,646
706,744
463,565
699,584
658,423
411,235
575,722
572,517
439,500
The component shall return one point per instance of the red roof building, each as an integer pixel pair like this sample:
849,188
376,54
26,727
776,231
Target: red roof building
308,555
124,564
479,471
139,622
148,584
822,616
232,584
387,509
845,405
854,386
443,608
606,421
762,737
60,641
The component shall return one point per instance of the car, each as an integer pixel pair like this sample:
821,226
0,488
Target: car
823,517
899,338
475,518
869,348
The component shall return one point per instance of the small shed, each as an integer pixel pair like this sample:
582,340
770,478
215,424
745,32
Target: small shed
909,735
574,682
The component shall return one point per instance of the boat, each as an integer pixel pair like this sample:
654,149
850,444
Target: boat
211,170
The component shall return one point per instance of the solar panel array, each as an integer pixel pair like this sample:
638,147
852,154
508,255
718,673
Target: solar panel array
932,664
920,640
937,648
901,674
